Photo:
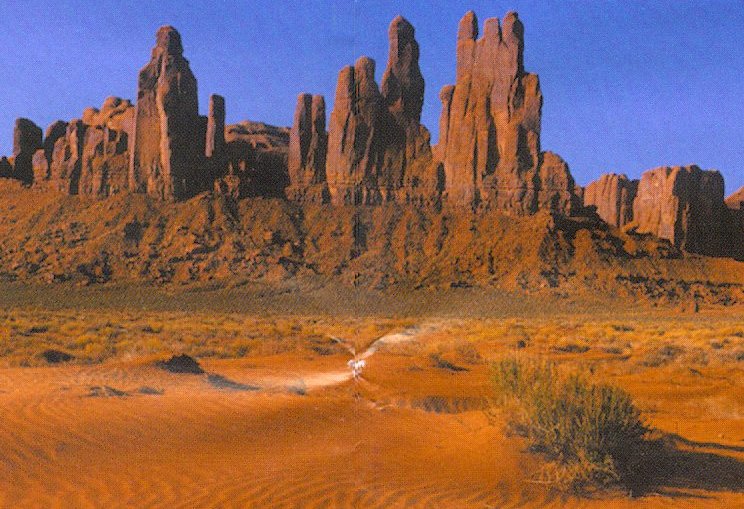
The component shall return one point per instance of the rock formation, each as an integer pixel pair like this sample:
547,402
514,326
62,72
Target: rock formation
67,159
490,124
377,149
105,157
308,143
27,138
684,205
6,168
215,140
165,160
353,152
736,200
407,170
555,186
54,131
40,168
613,195
42,160
87,156
257,156
735,204
493,128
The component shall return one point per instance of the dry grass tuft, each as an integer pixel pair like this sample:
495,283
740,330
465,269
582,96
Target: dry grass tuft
592,434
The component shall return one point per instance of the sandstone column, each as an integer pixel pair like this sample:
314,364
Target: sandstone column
164,150
26,140
308,143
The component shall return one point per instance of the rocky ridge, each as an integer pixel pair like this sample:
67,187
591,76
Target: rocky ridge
369,176
682,204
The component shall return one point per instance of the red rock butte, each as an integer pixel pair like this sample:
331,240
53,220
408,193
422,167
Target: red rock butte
373,149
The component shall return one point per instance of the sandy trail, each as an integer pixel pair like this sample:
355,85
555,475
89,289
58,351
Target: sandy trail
315,381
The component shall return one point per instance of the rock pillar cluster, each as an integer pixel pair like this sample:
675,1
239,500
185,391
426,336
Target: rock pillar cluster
308,144
490,126
377,150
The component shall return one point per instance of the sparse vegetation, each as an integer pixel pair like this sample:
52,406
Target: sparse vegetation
592,434
661,356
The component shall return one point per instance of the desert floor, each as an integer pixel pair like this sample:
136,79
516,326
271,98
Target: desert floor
276,420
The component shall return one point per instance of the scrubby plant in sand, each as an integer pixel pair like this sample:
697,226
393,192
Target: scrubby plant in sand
592,434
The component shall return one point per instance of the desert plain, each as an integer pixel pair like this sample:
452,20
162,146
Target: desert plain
275,418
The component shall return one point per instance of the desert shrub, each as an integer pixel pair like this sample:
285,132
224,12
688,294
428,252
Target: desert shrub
468,353
592,434
661,356
570,348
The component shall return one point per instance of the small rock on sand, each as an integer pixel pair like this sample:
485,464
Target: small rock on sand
181,364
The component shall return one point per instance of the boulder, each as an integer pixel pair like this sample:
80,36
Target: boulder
27,139
613,195
684,205
115,113
165,161
308,143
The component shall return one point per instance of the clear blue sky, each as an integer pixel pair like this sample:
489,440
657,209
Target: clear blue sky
628,85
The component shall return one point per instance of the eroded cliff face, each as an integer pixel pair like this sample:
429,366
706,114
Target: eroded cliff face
209,239
372,162
613,195
684,205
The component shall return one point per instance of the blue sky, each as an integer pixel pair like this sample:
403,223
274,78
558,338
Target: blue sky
627,85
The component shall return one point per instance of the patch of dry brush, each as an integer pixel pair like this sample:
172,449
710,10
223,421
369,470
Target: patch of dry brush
592,434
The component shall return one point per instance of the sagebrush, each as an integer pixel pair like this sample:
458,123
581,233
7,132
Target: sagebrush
592,433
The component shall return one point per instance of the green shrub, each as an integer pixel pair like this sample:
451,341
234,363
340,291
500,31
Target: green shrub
592,434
